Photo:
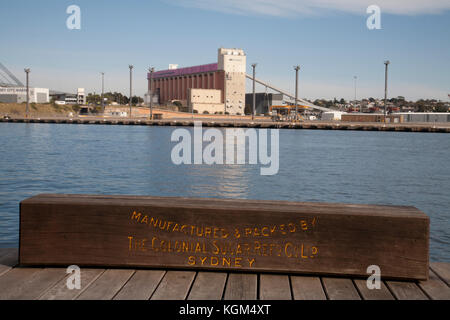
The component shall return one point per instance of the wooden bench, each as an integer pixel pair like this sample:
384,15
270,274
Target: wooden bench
162,284
224,235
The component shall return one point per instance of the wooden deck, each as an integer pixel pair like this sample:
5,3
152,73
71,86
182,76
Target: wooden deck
129,284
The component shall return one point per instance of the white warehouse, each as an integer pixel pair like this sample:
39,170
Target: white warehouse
19,95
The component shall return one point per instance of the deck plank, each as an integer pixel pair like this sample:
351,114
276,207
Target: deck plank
13,280
340,289
241,286
274,287
174,286
61,292
307,288
406,290
435,288
375,294
40,283
4,269
442,269
28,283
107,285
141,285
208,286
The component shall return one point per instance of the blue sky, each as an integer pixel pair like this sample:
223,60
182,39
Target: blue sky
328,38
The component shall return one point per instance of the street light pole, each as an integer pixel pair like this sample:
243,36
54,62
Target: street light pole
296,68
254,93
103,89
27,71
355,78
386,63
131,85
150,91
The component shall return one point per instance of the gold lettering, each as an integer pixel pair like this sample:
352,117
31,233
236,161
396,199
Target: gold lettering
272,230
291,227
163,226
264,249
136,216
304,257
215,233
237,262
251,261
224,234
153,222
288,244
263,233
314,251
238,249
271,248
216,248
131,240
191,260
153,244
257,247
227,260
304,225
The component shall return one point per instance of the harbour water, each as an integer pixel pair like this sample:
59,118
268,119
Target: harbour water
396,168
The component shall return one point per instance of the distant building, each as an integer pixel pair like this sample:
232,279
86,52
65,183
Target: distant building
332,115
19,95
424,116
63,98
206,100
227,76
147,99
263,102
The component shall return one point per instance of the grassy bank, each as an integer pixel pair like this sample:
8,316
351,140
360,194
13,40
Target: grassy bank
36,110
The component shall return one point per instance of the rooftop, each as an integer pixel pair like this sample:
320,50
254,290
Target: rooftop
184,71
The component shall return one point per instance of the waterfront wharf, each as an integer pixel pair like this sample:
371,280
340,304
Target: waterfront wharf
44,283
243,123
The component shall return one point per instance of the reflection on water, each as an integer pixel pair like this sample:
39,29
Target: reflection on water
326,166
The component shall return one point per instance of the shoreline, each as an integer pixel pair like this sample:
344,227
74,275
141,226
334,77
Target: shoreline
243,123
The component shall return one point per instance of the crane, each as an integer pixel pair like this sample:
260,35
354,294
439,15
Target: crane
8,79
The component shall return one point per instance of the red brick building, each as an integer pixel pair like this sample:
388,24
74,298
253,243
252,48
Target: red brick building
174,84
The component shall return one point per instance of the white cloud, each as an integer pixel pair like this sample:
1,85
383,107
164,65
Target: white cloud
316,7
